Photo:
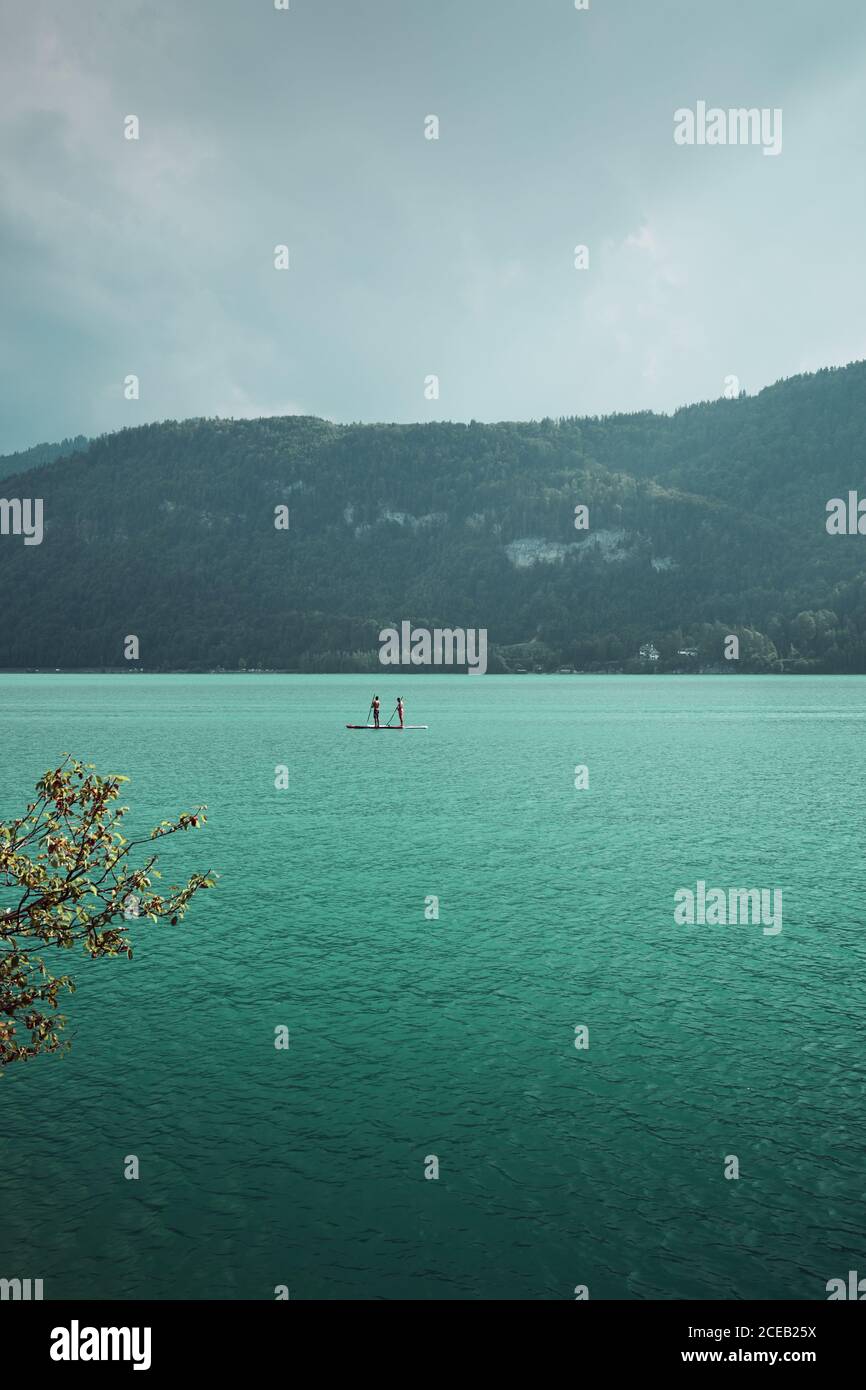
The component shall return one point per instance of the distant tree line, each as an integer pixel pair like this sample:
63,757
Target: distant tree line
39,454
702,524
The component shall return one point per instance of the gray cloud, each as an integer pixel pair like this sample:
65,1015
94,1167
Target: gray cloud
412,257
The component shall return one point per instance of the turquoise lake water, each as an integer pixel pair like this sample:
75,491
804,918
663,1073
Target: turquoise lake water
455,1037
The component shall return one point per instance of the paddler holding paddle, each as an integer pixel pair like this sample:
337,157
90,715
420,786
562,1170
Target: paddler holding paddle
375,709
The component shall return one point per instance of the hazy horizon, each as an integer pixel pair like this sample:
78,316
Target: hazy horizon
349,424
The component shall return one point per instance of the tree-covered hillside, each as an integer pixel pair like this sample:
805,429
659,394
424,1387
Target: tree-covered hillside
40,453
705,523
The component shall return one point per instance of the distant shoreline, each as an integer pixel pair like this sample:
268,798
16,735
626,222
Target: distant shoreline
381,674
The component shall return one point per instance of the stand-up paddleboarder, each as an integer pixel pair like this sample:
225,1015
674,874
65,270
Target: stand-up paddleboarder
375,708
400,709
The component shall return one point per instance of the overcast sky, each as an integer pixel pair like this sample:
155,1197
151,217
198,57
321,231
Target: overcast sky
411,257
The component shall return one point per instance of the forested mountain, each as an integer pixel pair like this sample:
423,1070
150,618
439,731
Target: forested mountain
40,453
708,522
